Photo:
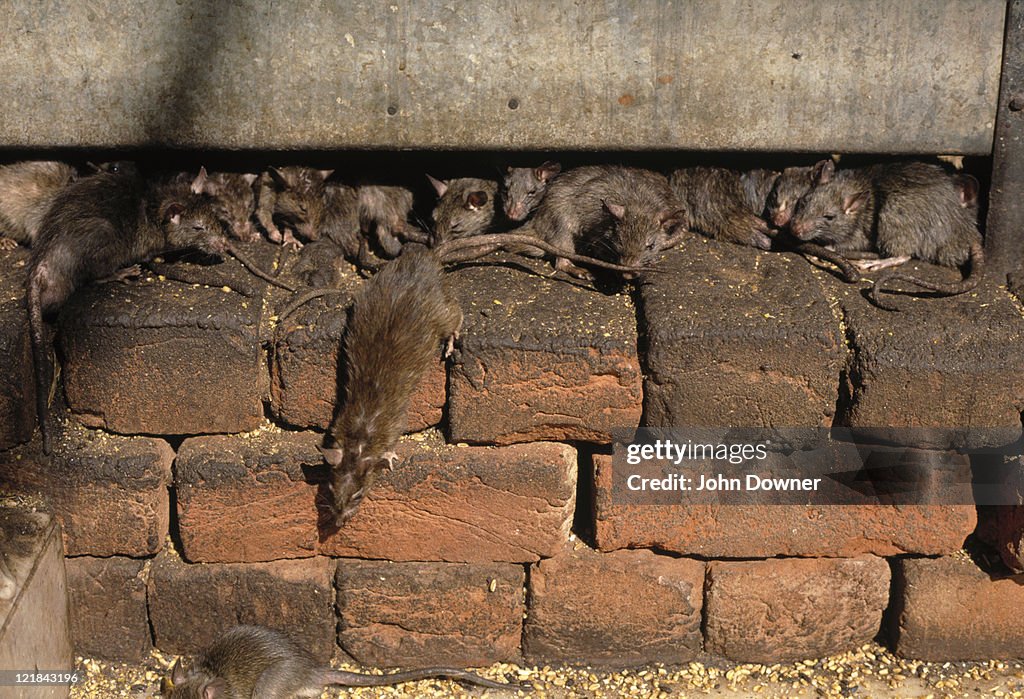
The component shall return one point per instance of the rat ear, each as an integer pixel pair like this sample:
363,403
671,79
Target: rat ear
199,182
216,688
331,455
670,219
476,200
968,187
178,674
173,212
547,170
439,186
616,210
326,173
822,171
250,177
853,203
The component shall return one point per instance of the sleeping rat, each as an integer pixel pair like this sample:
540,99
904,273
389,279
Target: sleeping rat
900,211
291,203
623,214
254,662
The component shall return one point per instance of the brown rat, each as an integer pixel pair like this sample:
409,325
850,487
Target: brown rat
235,198
97,226
791,184
407,309
27,189
254,662
622,214
900,211
384,213
523,188
291,204
718,205
465,207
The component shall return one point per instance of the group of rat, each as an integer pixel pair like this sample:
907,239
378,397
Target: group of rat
101,225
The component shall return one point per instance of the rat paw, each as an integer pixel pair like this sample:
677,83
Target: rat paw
8,243
563,265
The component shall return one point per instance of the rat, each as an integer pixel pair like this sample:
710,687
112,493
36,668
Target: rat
235,198
407,308
791,184
899,211
466,207
27,189
718,205
523,188
96,229
624,214
255,662
727,205
291,204
384,213
757,186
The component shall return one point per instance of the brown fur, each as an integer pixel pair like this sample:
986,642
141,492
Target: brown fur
255,662
291,204
398,321
27,189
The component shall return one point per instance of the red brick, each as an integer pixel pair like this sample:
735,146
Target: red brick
109,492
738,337
161,357
108,607
305,370
621,608
953,364
789,609
541,359
949,609
418,614
724,530
255,498
17,385
190,605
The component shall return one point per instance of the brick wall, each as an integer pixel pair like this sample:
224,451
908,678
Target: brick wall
187,479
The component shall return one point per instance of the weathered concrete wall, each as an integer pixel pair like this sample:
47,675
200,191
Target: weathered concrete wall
843,75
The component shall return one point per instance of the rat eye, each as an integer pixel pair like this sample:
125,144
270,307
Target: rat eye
829,217
652,245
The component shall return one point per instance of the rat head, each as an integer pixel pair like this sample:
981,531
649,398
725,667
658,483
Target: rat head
465,208
182,684
524,187
640,235
832,211
234,199
300,199
352,476
192,223
793,183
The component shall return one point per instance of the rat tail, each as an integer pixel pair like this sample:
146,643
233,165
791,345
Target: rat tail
40,358
465,249
848,271
355,679
968,283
